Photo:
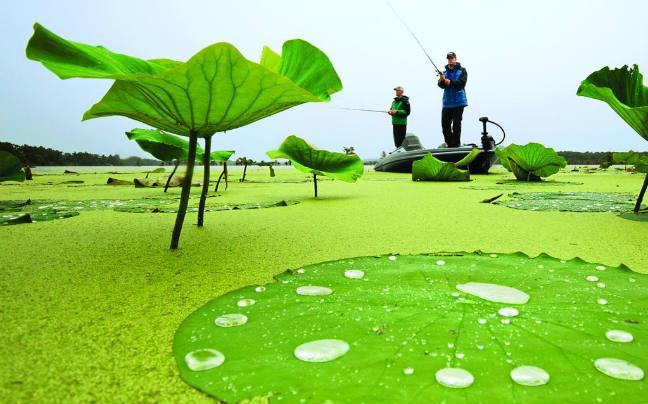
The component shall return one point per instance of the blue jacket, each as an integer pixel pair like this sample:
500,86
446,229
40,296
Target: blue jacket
454,95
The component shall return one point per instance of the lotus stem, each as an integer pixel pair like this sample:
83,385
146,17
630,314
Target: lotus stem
244,170
168,181
641,194
315,184
186,190
225,175
205,185
219,180
222,175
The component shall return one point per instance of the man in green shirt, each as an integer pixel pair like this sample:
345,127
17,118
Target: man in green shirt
399,110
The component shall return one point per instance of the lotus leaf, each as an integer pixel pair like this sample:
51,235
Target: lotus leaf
161,145
509,328
429,168
311,160
531,161
214,91
11,168
570,201
623,90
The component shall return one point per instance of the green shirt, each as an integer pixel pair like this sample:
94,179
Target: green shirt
402,106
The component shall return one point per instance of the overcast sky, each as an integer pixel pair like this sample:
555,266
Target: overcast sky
525,61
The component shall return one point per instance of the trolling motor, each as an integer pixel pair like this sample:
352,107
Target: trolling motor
487,141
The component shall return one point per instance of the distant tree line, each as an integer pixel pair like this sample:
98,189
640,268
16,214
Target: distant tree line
245,161
589,158
35,156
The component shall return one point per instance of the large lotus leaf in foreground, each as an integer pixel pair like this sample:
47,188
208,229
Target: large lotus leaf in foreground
215,90
623,90
308,159
429,168
11,168
531,161
460,329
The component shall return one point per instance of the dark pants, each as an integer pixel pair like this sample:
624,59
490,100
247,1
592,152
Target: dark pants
451,125
399,134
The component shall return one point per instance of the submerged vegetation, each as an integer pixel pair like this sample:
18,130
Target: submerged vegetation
311,160
570,201
530,162
216,90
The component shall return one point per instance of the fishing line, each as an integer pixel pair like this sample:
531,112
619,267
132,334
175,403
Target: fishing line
414,36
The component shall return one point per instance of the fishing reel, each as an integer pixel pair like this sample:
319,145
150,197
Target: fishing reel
488,142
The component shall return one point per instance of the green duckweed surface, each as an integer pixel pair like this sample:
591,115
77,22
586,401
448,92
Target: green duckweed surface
90,304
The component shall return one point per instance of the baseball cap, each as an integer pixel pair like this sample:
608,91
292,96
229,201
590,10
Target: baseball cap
399,88
451,55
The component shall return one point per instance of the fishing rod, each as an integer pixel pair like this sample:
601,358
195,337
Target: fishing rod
414,36
366,110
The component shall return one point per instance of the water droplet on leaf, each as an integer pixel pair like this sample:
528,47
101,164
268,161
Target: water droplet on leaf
619,369
314,291
231,320
354,274
508,312
619,336
204,359
245,302
494,293
454,378
530,376
322,350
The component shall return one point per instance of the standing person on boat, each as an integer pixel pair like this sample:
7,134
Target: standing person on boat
453,83
399,110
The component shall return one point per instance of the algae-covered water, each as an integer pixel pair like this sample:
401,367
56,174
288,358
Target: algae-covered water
91,303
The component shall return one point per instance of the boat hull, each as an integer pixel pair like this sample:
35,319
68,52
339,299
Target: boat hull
400,161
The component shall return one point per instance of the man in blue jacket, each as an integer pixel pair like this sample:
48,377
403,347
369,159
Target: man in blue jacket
453,83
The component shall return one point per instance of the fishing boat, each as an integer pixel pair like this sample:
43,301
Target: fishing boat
401,159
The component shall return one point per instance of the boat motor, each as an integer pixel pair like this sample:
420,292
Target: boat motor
411,142
487,141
